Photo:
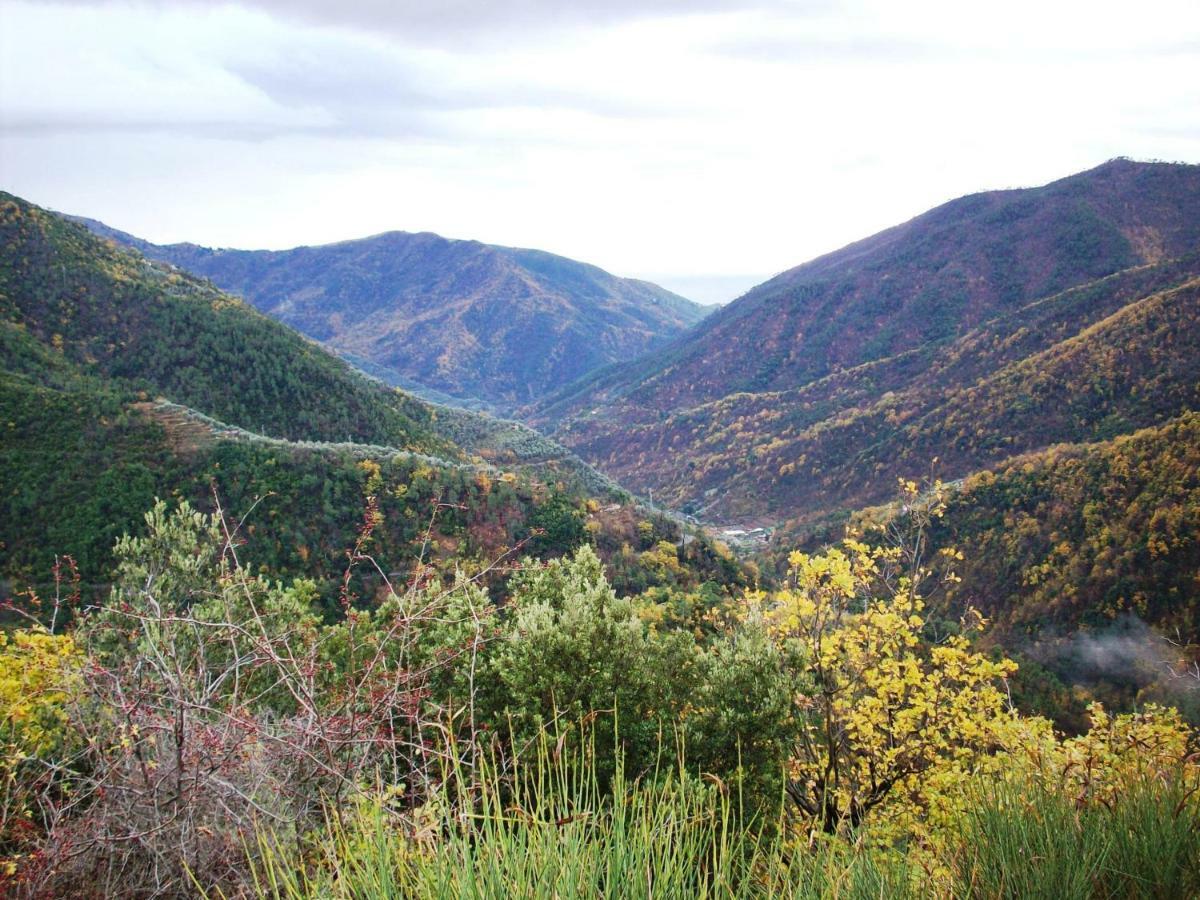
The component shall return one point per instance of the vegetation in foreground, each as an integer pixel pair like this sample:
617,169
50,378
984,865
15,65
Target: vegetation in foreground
208,731
673,835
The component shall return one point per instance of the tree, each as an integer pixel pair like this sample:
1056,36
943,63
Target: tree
559,521
878,704
740,720
571,648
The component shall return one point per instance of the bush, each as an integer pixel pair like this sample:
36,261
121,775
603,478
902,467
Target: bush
207,728
38,674
571,648
214,701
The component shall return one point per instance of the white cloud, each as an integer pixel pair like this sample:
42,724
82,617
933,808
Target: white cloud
672,139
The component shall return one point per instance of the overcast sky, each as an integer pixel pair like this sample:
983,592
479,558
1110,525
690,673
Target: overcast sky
704,145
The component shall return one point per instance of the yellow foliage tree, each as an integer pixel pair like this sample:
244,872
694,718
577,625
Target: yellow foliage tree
37,673
880,704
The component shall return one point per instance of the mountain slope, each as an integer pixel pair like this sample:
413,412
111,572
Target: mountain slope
1023,355
1075,535
122,381
74,307
82,465
116,316
1011,386
929,279
1086,533
472,320
1085,560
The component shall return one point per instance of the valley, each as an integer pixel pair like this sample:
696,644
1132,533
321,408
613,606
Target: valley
125,381
971,441
986,334
677,450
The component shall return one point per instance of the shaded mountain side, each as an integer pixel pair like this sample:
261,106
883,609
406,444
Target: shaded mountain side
928,280
1005,338
499,324
1137,367
115,315
395,379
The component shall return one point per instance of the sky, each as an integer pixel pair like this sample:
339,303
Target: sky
704,145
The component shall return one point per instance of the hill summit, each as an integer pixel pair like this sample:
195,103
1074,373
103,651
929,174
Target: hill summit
470,320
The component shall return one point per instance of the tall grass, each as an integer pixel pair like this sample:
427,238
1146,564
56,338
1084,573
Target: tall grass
552,828
1033,842
1155,849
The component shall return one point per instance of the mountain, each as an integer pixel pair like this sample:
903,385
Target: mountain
471,320
1085,558
1084,534
115,316
994,325
123,380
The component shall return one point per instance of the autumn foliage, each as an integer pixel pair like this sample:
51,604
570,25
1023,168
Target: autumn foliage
205,718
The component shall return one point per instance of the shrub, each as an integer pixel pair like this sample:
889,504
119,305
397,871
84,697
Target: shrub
214,701
571,648
38,674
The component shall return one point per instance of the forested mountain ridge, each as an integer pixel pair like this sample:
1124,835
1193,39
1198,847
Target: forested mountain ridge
1085,558
123,380
116,316
83,464
927,280
1082,534
1073,536
1065,369
472,320
1103,356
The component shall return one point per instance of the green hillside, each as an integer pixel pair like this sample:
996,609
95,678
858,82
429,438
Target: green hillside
148,328
1082,534
124,381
